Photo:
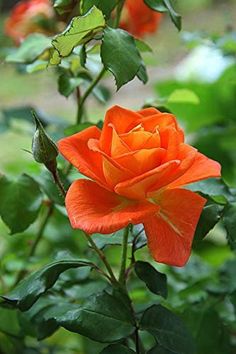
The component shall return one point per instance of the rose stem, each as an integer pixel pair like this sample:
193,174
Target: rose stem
124,255
102,256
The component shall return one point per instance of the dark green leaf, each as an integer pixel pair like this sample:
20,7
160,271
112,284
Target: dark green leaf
208,219
229,220
208,330
106,6
165,6
73,129
142,74
80,30
120,55
160,350
104,318
155,281
63,6
67,84
9,323
168,329
20,202
83,56
31,48
31,288
117,349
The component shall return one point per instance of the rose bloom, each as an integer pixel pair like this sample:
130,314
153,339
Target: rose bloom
138,165
138,19
25,18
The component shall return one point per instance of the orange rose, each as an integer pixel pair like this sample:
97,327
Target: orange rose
28,17
138,164
138,18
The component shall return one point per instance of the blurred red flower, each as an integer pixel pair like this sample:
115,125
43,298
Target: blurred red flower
28,17
138,19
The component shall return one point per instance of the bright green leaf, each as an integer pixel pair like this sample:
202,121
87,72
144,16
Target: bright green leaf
80,30
31,48
183,96
168,329
31,288
120,55
20,202
155,281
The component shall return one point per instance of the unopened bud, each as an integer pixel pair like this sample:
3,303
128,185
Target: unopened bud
43,148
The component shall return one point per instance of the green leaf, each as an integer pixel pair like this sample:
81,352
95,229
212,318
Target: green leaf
183,96
31,288
215,188
155,281
31,48
112,239
117,349
159,350
142,46
80,30
20,202
63,6
104,318
165,6
168,329
229,220
208,329
9,323
142,74
106,6
67,84
120,55
208,219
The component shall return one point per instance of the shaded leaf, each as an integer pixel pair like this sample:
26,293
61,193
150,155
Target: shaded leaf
67,84
229,220
31,48
104,318
165,6
120,55
117,349
20,202
168,329
155,281
106,6
159,350
208,219
31,288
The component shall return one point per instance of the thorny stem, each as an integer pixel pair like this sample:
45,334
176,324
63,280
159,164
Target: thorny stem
124,256
38,238
87,93
102,256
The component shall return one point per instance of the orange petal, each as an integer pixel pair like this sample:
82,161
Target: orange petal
94,209
150,111
142,160
137,139
118,146
75,149
113,171
202,168
170,232
122,119
138,187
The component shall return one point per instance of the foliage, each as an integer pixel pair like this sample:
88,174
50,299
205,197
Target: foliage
64,292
